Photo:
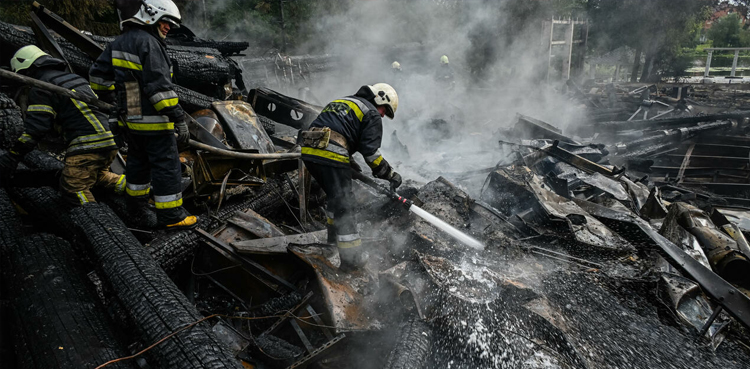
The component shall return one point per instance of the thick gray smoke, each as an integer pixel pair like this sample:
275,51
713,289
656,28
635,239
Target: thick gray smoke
499,68
496,52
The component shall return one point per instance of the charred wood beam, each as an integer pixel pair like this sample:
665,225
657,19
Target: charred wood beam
153,302
172,248
736,303
193,68
673,135
669,122
57,320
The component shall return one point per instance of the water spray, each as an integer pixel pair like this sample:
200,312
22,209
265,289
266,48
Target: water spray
430,218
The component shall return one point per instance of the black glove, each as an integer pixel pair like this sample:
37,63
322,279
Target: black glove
8,165
395,180
181,127
117,133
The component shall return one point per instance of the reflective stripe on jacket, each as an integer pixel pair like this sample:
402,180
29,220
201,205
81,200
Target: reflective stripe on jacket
83,127
137,67
358,120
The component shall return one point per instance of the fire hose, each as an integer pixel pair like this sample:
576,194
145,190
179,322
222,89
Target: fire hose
111,108
430,218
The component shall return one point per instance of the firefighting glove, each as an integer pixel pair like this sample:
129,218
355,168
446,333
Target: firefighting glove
395,180
117,133
183,134
8,164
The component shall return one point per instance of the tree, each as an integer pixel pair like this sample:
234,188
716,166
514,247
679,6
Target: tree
656,28
96,16
726,31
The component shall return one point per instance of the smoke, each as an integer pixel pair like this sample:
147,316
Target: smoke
496,53
495,50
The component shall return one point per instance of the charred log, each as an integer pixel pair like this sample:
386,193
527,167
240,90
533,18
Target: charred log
412,349
193,68
170,249
152,300
11,121
58,322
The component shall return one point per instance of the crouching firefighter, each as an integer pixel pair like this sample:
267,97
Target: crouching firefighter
345,126
136,67
90,147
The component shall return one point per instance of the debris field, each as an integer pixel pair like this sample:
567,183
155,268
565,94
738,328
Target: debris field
619,243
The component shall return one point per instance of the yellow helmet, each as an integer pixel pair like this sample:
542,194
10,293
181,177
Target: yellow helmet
444,59
386,96
25,57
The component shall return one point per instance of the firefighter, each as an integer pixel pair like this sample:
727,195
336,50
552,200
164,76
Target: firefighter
136,67
345,126
90,146
444,73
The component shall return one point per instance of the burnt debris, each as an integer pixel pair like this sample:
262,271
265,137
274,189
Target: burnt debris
620,241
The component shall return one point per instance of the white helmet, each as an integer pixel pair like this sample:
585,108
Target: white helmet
386,96
396,65
148,12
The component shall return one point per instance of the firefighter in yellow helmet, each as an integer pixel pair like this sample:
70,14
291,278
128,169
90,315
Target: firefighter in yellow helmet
345,126
90,145
444,73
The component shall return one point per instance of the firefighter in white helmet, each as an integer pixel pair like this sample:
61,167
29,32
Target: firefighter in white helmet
345,126
136,67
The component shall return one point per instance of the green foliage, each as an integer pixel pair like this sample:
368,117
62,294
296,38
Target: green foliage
96,16
726,31
657,27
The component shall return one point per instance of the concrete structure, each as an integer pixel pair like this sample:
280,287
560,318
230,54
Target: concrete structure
734,62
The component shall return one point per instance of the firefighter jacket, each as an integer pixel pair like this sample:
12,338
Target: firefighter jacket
136,66
358,121
83,127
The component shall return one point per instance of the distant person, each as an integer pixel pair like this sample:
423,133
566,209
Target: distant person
136,66
90,145
398,77
444,74
345,126
396,67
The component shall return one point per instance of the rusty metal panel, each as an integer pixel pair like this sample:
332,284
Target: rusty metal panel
279,244
348,308
242,125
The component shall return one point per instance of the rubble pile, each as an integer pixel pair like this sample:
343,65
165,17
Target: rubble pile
620,242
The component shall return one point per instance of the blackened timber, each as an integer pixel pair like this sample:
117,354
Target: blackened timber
229,252
48,43
278,244
669,122
722,292
576,160
67,31
674,135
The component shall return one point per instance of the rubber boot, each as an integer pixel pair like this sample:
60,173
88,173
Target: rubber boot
353,258
176,219
140,213
331,233
190,222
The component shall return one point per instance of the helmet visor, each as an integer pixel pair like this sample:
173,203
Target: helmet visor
389,111
174,22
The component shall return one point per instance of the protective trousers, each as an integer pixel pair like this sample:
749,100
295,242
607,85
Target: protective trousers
337,184
84,171
153,161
